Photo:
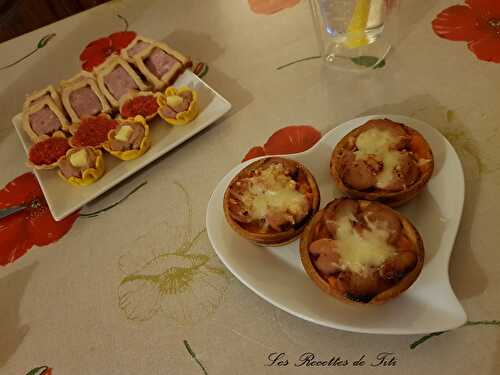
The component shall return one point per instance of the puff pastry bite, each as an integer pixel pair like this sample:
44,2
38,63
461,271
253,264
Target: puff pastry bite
161,64
361,251
116,77
81,166
46,153
129,140
382,160
270,201
137,45
92,131
43,116
178,106
142,103
81,97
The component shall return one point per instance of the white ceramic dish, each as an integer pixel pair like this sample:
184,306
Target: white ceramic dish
63,199
276,273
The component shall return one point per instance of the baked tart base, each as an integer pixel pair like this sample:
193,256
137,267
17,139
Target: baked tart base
382,160
134,153
270,201
371,260
183,117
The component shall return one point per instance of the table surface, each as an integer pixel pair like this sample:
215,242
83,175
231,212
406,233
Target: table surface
86,304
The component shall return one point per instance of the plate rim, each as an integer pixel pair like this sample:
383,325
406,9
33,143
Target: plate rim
461,316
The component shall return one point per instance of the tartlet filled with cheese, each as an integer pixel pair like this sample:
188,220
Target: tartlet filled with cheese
130,139
178,106
361,251
81,166
382,160
271,200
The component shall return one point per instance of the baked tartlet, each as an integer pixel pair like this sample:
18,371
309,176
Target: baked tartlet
129,140
46,153
178,106
81,166
382,160
271,200
92,131
361,251
139,103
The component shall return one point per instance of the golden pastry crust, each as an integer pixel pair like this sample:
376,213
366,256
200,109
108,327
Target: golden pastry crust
358,178
38,105
49,91
126,52
184,117
81,80
134,153
271,229
89,175
382,283
109,66
169,77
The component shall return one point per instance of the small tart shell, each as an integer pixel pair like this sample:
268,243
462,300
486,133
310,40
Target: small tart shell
272,239
30,164
182,118
131,154
391,198
329,287
39,105
74,129
89,175
134,94
81,80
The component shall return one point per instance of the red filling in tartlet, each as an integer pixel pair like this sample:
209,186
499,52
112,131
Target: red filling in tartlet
93,131
48,151
144,105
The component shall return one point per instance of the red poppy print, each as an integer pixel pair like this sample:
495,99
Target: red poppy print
97,51
477,22
289,140
31,226
270,6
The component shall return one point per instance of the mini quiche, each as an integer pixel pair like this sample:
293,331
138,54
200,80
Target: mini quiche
178,106
271,200
129,140
46,154
382,160
81,166
361,251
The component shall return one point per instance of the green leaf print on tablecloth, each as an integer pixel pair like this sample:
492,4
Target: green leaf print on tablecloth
185,283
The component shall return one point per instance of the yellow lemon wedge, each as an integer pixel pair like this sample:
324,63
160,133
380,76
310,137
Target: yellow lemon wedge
356,30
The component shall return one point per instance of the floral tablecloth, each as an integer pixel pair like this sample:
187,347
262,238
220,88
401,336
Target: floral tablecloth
131,285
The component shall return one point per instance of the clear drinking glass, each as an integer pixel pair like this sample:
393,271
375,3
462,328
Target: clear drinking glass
355,34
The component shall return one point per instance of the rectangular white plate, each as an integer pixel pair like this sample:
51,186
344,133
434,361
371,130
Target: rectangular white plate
63,199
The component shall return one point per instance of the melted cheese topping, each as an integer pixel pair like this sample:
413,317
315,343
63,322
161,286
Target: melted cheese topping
377,143
359,252
273,191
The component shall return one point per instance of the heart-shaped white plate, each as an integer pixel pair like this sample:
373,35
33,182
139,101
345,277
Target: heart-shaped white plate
276,273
